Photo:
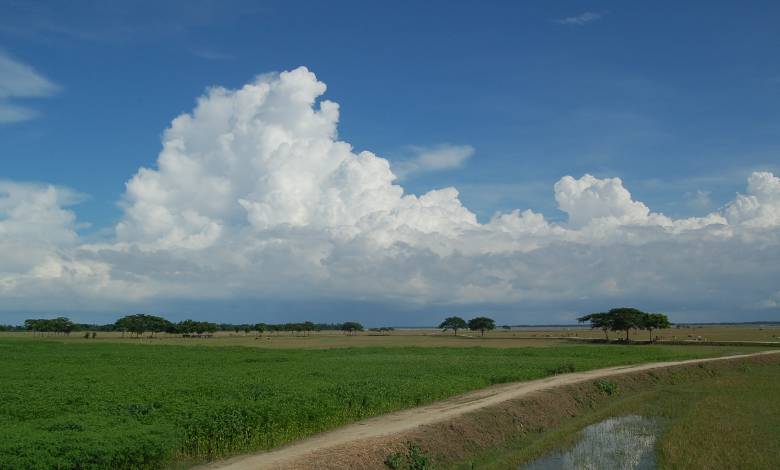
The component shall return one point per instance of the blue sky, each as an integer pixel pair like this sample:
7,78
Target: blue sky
672,100
682,102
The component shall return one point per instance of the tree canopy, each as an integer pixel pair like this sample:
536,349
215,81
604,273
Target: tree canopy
655,321
482,324
625,319
141,323
351,327
453,323
50,325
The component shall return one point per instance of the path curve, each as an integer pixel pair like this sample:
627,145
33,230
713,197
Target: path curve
409,419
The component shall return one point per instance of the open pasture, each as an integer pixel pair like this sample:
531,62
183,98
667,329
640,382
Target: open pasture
424,337
126,404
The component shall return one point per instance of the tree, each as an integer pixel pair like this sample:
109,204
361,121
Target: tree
655,321
141,323
602,321
63,325
45,325
205,327
351,327
454,324
617,319
625,318
481,324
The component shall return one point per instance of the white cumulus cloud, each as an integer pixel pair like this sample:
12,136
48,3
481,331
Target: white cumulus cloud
253,195
760,206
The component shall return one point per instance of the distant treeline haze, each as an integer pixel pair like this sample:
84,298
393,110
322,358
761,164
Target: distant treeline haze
140,324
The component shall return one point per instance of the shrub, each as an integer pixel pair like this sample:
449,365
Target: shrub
606,386
413,459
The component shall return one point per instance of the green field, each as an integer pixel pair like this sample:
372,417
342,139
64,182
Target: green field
717,417
76,404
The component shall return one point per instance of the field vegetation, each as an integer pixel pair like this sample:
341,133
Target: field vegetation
711,416
84,403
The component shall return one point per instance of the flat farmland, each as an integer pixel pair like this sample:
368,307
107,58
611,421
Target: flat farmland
127,404
425,337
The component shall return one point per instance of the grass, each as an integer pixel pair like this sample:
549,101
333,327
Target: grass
68,404
724,418
429,337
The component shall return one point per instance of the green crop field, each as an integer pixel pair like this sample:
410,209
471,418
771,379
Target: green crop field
66,404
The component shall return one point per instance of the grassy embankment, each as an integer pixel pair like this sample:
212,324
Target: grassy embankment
106,404
714,416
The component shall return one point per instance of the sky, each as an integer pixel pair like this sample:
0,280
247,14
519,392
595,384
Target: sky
389,162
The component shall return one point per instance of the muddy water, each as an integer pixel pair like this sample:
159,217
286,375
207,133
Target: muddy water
624,443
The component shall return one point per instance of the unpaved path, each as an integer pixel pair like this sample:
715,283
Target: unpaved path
409,419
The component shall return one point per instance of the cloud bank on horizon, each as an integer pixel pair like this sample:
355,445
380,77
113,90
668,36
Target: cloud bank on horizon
254,196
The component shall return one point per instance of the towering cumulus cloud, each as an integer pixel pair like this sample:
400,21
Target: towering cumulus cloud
266,157
254,196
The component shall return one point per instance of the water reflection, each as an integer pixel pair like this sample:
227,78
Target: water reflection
624,443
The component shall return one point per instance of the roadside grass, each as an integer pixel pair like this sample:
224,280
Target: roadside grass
723,418
118,405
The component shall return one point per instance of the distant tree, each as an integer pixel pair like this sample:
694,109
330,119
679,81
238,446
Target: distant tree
186,327
63,325
454,324
260,327
351,327
205,327
481,324
506,327
625,319
54,325
655,321
140,323
31,325
602,321
617,319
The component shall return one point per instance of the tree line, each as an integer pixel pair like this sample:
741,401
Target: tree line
139,324
621,319
12,328
50,325
626,319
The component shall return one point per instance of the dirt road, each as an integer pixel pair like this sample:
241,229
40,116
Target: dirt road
409,419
